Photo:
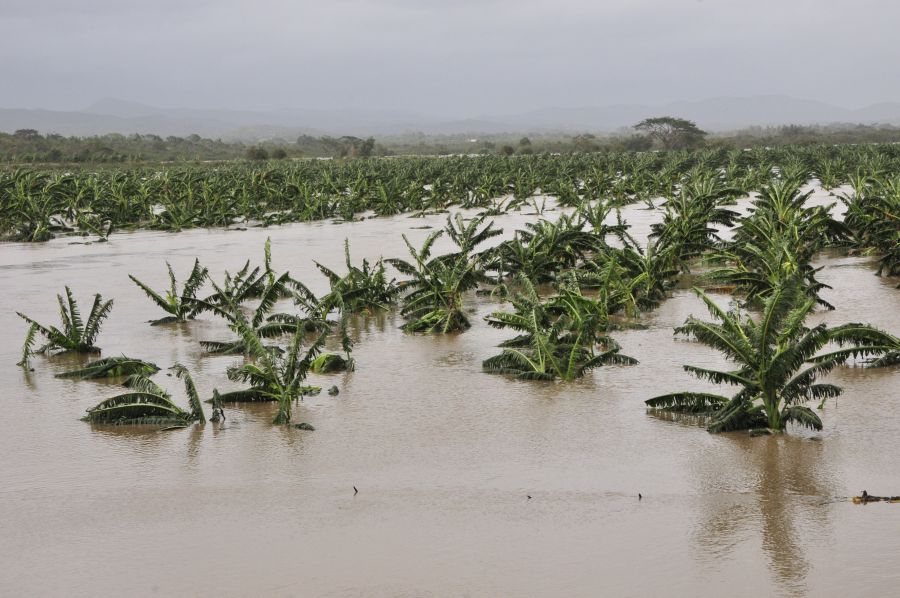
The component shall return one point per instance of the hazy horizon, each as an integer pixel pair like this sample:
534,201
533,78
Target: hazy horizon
444,60
98,104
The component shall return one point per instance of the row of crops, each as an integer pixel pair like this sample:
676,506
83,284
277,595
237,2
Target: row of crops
565,285
37,205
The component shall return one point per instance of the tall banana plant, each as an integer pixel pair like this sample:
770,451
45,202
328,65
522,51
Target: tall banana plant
756,266
777,363
874,217
778,240
689,220
543,249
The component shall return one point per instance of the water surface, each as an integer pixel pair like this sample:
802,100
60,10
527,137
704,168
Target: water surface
444,456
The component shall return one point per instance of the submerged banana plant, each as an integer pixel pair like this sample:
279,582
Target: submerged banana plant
364,288
180,306
265,324
563,337
327,363
112,367
146,403
434,292
277,376
74,336
776,362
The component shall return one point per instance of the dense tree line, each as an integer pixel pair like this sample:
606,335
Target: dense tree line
28,146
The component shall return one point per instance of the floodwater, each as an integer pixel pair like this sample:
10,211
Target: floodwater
444,456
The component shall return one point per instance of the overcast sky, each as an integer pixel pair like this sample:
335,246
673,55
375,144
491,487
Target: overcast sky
457,58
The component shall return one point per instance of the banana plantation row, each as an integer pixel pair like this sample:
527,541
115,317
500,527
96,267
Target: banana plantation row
563,287
37,205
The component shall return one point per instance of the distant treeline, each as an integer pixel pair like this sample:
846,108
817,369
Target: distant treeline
840,134
28,146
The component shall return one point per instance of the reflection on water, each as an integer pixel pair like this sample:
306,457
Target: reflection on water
791,492
443,455
783,476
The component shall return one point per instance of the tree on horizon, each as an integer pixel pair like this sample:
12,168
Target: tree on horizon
671,132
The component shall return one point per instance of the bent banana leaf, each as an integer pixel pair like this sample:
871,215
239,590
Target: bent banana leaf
137,408
330,362
112,367
259,395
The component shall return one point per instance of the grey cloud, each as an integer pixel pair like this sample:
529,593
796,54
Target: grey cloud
453,59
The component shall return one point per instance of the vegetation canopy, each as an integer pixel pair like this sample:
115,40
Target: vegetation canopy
750,223
671,132
778,362
74,335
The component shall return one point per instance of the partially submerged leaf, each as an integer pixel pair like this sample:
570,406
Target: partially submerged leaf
330,362
112,367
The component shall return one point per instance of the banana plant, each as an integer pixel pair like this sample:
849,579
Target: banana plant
146,403
37,204
434,292
365,288
264,323
777,362
75,335
277,376
112,367
181,306
558,339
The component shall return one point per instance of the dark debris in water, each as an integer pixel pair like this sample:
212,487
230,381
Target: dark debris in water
760,432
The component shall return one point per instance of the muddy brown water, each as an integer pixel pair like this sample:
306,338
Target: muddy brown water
444,456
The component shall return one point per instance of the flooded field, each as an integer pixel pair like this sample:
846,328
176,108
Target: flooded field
444,456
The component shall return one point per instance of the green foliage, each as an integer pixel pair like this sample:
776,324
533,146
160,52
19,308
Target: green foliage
778,240
434,293
112,367
777,362
873,216
363,289
544,248
327,363
265,324
563,337
191,391
690,217
671,132
146,403
592,274
181,306
274,375
75,335
268,286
